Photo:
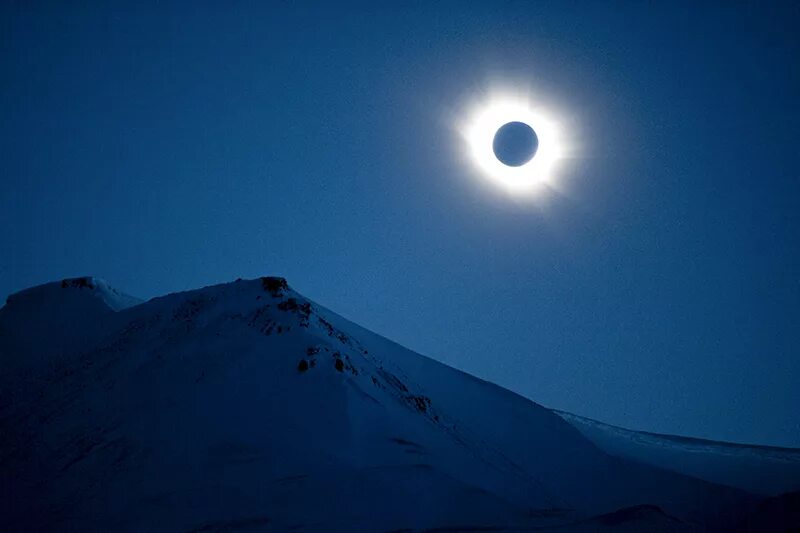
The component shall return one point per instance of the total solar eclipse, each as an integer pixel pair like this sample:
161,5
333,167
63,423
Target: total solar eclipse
514,143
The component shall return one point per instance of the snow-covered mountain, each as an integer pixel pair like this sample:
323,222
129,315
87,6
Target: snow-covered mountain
765,470
247,407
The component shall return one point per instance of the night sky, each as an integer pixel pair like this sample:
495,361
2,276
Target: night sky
657,288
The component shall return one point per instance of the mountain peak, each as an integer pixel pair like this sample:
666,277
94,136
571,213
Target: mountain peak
66,292
274,285
45,323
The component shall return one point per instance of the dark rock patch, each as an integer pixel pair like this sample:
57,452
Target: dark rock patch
78,283
422,403
274,285
342,363
392,380
405,442
303,310
333,332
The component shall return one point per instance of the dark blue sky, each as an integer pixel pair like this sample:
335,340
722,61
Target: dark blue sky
169,147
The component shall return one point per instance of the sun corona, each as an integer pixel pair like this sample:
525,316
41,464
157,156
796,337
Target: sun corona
479,133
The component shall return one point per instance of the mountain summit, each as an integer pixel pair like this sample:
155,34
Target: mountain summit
247,407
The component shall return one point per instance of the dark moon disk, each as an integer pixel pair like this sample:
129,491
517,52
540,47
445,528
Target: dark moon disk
515,144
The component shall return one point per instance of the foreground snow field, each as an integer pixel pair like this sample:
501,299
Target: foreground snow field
247,407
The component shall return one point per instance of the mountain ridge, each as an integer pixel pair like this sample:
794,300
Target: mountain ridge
171,399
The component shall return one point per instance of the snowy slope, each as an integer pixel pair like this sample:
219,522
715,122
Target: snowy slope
764,470
44,325
245,406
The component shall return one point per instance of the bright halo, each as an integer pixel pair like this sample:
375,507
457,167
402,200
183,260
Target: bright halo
480,131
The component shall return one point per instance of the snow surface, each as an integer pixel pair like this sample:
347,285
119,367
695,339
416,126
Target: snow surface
245,406
766,470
